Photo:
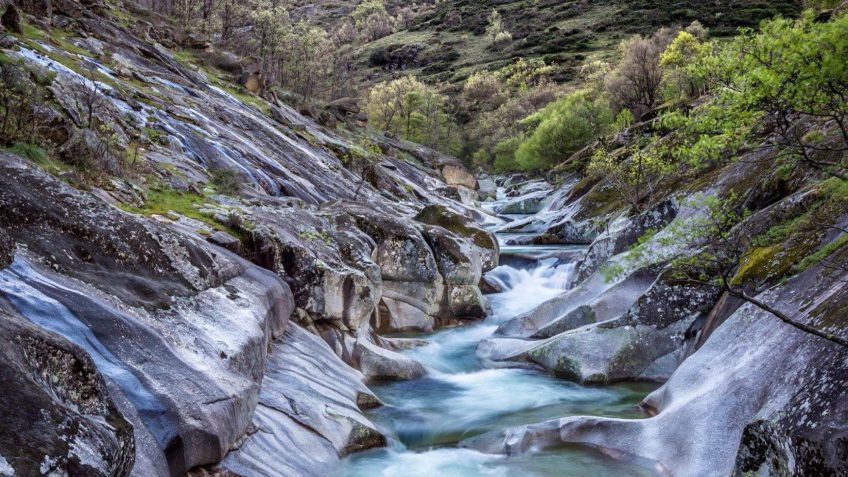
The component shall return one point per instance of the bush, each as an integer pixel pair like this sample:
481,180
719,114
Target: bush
483,91
564,127
226,181
636,178
635,82
31,151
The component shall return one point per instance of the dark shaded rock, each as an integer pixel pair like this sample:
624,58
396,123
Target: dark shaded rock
140,263
57,412
7,250
223,239
488,286
464,227
586,347
11,19
343,107
324,257
87,150
195,42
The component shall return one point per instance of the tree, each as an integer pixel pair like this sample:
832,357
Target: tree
636,178
564,127
410,108
495,31
635,82
790,79
230,15
483,91
679,84
372,19
305,69
88,96
272,32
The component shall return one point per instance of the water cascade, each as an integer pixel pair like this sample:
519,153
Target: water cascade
460,397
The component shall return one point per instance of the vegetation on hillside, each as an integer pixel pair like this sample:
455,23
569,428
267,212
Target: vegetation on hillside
775,97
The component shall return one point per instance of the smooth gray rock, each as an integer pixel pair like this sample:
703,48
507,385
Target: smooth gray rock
487,189
180,326
57,412
760,397
381,364
309,412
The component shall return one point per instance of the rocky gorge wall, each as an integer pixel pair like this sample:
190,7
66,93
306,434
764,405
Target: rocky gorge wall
143,336
155,325
744,393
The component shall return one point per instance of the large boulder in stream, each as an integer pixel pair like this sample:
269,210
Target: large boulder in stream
323,256
760,397
637,344
179,328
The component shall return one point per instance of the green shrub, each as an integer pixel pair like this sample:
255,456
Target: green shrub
564,127
226,181
31,151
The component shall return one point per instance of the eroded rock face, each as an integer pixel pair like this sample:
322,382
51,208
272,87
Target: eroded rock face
777,405
58,416
456,175
624,235
180,328
309,412
626,347
151,267
323,256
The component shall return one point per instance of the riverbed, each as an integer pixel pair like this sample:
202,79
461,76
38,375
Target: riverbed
459,398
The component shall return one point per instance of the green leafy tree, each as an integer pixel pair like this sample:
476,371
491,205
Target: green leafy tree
412,109
679,82
564,127
790,78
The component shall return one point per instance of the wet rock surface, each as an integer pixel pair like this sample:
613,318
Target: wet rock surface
53,395
180,327
765,413
309,411
178,313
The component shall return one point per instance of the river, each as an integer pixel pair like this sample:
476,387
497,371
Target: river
460,398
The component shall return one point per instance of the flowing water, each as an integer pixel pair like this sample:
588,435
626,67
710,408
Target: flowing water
459,398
